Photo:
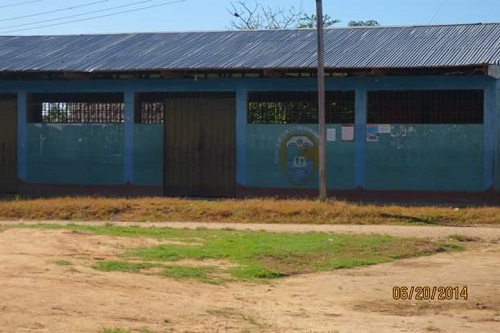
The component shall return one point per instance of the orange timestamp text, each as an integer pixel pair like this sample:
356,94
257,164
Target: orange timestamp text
430,293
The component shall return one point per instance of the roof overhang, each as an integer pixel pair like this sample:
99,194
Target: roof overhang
494,71
227,73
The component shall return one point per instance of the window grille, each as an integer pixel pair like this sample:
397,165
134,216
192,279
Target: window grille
293,107
76,108
8,97
426,107
150,108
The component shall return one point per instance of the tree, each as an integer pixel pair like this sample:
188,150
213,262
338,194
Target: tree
258,16
310,21
369,23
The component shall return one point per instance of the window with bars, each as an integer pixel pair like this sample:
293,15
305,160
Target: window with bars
294,107
8,97
150,108
76,108
426,107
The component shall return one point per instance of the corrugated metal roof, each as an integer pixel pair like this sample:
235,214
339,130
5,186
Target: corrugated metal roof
367,47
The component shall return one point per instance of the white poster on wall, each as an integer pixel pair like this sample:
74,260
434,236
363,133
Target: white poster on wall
384,129
331,134
347,133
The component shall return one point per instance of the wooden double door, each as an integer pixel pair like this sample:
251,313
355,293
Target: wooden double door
8,144
200,145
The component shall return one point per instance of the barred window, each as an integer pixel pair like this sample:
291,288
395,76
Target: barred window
293,107
76,108
8,97
426,107
150,108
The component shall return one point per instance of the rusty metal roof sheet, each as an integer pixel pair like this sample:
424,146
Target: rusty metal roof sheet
362,47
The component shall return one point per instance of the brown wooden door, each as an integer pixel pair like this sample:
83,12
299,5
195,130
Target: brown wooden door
200,140
8,145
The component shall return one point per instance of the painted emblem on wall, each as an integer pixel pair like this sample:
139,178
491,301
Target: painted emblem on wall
297,153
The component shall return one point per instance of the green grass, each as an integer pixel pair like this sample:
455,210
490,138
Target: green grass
114,330
232,313
464,238
256,255
122,266
121,330
201,273
62,263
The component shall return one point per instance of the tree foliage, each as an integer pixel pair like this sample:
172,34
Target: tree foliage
258,16
369,23
254,16
310,21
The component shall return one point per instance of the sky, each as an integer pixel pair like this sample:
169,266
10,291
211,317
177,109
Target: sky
56,17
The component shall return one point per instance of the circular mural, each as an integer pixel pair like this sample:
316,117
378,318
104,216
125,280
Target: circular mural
297,153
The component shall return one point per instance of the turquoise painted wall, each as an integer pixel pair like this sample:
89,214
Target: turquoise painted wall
75,154
426,158
497,164
55,153
148,154
264,171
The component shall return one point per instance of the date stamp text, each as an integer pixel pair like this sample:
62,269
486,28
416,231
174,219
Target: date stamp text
430,293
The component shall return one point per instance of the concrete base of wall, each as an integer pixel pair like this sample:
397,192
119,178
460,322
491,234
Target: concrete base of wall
398,197
489,197
126,190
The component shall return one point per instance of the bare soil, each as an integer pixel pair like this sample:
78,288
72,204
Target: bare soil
39,295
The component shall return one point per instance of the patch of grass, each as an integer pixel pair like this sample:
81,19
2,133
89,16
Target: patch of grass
257,254
464,238
265,210
114,330
122,266
63,262
231,313
205,274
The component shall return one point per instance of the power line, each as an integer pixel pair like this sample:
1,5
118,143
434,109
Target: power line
76,15
97,17
438,10
20,4
53,11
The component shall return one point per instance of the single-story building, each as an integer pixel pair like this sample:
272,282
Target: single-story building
409,110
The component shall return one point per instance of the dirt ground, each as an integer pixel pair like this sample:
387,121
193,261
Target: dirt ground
39,295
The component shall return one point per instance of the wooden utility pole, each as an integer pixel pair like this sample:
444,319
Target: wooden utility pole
321,102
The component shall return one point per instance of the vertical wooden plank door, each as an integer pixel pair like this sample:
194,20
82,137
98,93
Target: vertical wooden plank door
200,141
8,144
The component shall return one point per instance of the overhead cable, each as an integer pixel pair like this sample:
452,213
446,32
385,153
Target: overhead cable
53,11
77,15
96,17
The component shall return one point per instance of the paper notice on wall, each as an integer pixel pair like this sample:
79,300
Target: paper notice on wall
384,129
347,133
372,133
331,134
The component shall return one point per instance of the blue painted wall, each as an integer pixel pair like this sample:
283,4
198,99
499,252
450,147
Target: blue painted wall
426,158
497,164
75,154
148,154
128,152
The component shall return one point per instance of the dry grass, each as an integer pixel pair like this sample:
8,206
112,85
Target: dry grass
243,211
